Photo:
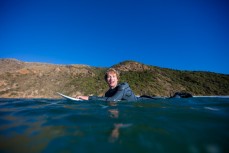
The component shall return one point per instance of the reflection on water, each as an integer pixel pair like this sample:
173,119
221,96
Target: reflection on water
114,113
115,132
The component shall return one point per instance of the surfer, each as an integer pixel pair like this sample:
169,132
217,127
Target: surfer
123,91
116,91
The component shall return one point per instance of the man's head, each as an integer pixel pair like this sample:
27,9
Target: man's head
111,77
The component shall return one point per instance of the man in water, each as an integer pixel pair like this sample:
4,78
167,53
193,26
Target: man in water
116,91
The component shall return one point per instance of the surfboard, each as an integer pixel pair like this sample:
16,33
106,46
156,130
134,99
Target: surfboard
68,97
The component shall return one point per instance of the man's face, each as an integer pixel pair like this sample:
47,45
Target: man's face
112,80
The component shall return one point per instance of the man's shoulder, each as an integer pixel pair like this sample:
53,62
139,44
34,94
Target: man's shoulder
123,86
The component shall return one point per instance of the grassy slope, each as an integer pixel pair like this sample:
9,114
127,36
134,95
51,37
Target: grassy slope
44,80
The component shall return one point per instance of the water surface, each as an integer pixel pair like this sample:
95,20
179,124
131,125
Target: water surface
192,125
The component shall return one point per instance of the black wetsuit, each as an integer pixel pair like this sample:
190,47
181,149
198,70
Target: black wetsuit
120,92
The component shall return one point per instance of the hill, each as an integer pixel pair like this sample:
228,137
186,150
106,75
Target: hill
41,80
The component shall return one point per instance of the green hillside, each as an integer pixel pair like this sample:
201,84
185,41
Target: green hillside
39,80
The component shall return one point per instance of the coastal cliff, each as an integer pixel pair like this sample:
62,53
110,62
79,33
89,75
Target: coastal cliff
20,79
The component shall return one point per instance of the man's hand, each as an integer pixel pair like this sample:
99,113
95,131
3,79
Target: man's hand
82,97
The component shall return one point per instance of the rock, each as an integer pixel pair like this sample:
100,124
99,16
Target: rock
181,95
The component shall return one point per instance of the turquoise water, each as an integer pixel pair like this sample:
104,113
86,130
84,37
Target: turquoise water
192,125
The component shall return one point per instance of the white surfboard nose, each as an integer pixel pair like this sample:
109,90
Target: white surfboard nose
68,97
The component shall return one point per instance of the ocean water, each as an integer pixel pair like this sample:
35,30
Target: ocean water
192,125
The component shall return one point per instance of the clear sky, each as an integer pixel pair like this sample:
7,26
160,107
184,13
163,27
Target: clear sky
178,34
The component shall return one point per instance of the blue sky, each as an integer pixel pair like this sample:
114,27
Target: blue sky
178,34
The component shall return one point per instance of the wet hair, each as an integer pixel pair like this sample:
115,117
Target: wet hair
111,70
